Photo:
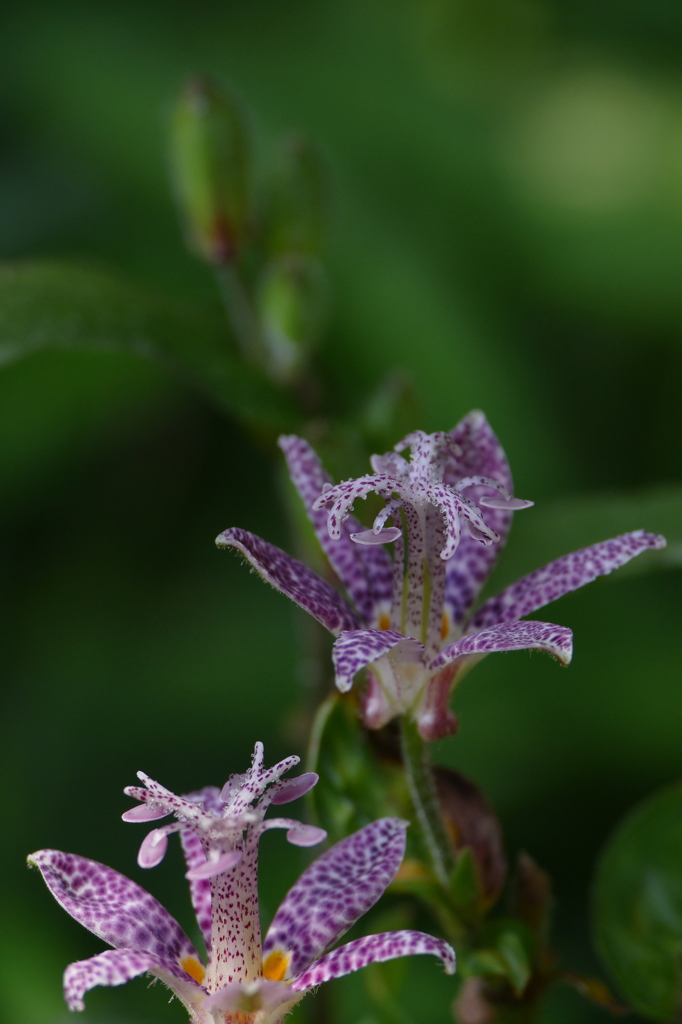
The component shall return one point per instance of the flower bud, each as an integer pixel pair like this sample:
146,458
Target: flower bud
292,302
471,824
210,160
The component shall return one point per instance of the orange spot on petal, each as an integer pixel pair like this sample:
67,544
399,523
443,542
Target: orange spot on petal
275,966
192,967
445,626
384,621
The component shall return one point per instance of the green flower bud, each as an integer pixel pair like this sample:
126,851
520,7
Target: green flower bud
292,303
210,159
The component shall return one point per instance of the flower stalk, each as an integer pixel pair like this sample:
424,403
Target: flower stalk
417,765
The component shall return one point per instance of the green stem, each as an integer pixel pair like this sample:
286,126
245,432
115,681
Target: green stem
241,313
417,766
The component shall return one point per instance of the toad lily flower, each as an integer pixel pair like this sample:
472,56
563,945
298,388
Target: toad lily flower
243,982
411,623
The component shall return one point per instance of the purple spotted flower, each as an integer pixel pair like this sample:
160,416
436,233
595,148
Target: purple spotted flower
446,514
244,981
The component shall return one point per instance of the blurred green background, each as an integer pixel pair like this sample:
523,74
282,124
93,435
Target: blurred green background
507,232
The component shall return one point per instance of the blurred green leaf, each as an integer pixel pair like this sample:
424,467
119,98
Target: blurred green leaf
548,531
465,882
507,956
516,960
300,195
638,906
354,788
50,305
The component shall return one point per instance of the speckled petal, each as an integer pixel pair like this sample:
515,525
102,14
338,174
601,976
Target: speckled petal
373,949
455,506
110,905
365,572
565,574
510,636
292,789
200,888
116,966
337,889
357,648
294,579
468,569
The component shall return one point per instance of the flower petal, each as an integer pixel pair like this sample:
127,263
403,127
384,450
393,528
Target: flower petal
116,966
144,812
292,789
337,889
250,997
294,579
565,574
373,949
306,835
213,868
298,834
383,536
472,563
200,888
366,572
455,506
510,636
354,649
111,906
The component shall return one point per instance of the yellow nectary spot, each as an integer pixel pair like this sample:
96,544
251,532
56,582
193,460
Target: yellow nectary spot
445,626
275,966
192,966
384,621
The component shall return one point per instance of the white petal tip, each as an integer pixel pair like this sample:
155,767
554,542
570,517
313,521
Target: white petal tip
506,504
306,835
385,536
211,868
143,813
153,849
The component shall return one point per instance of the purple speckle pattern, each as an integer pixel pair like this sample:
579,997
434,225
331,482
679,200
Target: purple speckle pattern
456,536
455,506
365,572
337,889
112,906
418,485
294,579
355,649
115,967
510,636
562,576
328,898
480,454
200,888
342,497
373,949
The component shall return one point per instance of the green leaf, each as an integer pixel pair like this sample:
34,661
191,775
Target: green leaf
638,906
57,306
465,883
516,960
506,956
354,787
